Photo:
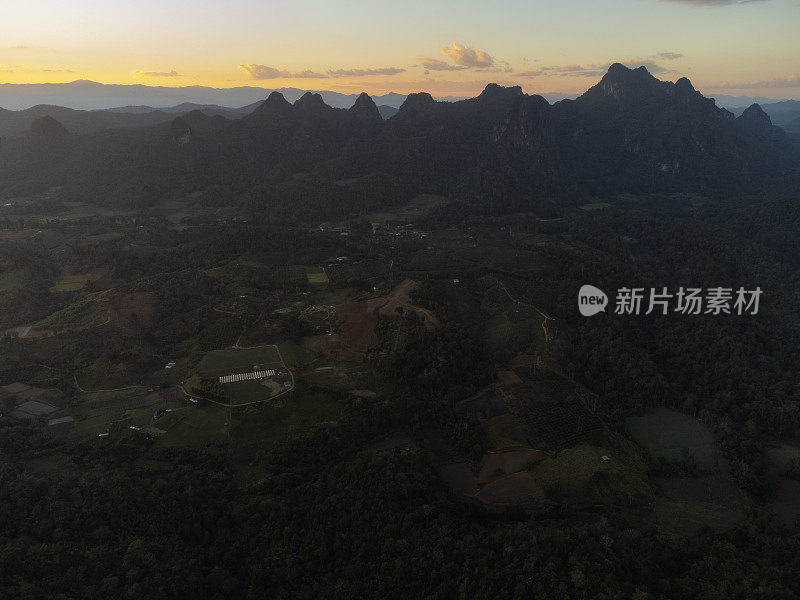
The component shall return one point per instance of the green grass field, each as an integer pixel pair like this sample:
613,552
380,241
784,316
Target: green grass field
219,360
71,283
89,311
242,392
264,424
293,354
193,426
579,477
68,286
316,277
668,434
594,206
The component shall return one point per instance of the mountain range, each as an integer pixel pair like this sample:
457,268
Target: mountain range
501,151
90,95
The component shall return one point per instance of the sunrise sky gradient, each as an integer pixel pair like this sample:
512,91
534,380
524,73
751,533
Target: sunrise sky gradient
445,47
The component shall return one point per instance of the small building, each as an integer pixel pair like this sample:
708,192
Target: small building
605,459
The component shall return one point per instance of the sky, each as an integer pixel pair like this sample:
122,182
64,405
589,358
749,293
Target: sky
736,47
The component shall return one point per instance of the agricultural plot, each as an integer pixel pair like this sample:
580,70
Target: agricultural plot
486,404
193,426
287,275
500,480
505,432
669,435
686,505
590,206
96,403
415,208
244,392
357,325
516,490
223,360
316,277
553,415
89,311
30,402
515,326
128,310
77,281
581,478
243,376
343,273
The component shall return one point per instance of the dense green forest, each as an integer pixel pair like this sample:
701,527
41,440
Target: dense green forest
330,512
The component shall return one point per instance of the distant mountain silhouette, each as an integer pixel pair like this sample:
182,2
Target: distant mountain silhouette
500,151
89,95
757,122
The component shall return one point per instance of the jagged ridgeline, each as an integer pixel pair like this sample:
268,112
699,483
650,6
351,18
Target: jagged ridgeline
502,151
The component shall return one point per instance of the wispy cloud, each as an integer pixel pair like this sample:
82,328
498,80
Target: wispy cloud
650,65
171,73
365,72
712,3
21,47
575,70
789,81
57,71
669,55
264,72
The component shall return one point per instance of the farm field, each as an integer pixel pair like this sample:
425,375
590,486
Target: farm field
673,436
552,414
579,477
785,460
220,360
243,392
415,208
293,354
316,277
594,206
193,426
357,324
685,505
262,425
69,285
89,311
505,432
77,281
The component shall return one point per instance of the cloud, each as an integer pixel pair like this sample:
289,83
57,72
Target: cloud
789,81
264,72
467,56
669,55
365,72
712,3
21,47
566,71
171,73
57,71
434,64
